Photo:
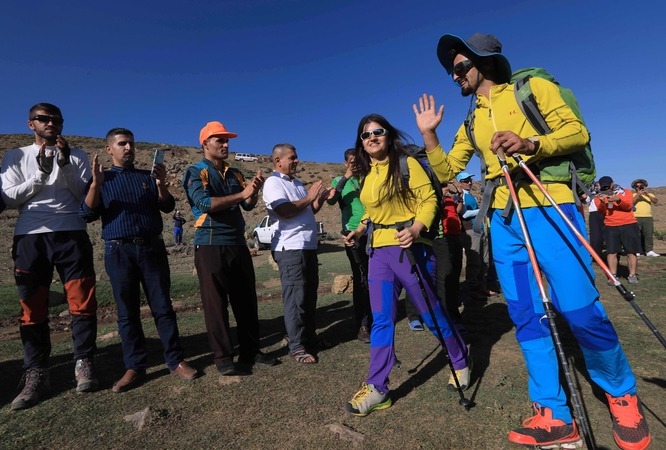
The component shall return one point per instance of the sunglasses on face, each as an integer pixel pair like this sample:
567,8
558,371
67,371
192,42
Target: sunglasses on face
378,132
640,186
46,119
462,67
465,181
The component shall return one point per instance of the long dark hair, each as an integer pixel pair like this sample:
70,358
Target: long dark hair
395,184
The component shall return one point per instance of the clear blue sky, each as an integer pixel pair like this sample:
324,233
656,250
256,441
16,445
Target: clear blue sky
305,72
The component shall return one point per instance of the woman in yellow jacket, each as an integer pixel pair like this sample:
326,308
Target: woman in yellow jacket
396,214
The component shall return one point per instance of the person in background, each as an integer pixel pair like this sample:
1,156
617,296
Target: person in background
346,194
134,254
46,181
449,252
475,244
178,222
596,222
643,201
615,205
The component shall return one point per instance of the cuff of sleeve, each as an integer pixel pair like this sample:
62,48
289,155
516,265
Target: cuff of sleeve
86,209
438,148
41,177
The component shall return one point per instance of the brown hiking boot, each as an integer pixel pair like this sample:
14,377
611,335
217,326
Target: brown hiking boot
630,429
85,377
542,431
35,383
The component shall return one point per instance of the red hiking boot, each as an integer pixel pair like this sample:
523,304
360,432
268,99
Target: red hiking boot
543,431
630,428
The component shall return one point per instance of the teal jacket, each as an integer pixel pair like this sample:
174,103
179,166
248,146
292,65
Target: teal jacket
202,182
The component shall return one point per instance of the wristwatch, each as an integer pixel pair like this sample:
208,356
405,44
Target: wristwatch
536,142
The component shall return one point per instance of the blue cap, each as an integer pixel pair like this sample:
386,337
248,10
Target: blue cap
464,176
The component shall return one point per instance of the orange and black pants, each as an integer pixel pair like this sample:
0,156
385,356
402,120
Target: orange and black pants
35,257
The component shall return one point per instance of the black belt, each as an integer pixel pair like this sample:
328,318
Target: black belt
139,240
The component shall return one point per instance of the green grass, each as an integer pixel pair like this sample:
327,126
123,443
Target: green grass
289,405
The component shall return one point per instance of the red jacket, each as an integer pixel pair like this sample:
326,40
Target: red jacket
450,218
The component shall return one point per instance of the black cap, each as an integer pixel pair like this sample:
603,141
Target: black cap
605,181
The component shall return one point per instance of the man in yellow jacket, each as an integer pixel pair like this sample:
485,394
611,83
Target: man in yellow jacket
481,71
642,202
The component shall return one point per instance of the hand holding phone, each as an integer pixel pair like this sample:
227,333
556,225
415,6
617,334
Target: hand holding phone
157,159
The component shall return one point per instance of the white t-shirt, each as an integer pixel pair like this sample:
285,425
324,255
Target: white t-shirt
46,202
294,233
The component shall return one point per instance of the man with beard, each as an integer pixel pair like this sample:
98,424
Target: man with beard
481,71
45,181
134,253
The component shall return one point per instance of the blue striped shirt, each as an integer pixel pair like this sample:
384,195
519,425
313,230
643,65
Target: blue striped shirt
129,205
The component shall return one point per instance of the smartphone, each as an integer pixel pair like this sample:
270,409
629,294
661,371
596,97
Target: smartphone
157,159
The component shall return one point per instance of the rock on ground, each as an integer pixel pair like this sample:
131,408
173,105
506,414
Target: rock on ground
343,284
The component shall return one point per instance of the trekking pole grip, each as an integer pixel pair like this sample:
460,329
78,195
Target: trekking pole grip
501,156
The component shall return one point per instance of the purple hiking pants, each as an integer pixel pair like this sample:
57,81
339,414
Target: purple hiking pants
388,273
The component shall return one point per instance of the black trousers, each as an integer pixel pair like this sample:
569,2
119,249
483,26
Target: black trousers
361,296
597,230
448,251
35,257
226,275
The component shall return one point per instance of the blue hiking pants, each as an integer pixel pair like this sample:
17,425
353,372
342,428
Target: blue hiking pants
566,264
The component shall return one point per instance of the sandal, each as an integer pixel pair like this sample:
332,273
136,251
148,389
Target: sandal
303,357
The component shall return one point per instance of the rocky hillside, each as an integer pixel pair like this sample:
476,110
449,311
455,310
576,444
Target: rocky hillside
177,160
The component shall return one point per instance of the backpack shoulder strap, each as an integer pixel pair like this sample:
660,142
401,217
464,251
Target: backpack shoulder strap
404,168
469,130
528,105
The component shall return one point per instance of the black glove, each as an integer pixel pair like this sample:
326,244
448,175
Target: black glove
45,162
63,156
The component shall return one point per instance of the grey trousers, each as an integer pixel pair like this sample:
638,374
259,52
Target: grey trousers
299,274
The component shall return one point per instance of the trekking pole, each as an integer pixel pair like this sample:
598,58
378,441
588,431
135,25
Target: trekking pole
466,403
548,305
627,295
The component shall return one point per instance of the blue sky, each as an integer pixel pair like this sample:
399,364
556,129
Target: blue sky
305,72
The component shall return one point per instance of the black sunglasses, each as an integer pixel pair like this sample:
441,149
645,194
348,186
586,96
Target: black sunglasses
46,119
640,186
462,67
378,132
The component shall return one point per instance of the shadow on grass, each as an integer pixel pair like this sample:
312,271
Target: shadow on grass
326,247
336,319
486,323
109,368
